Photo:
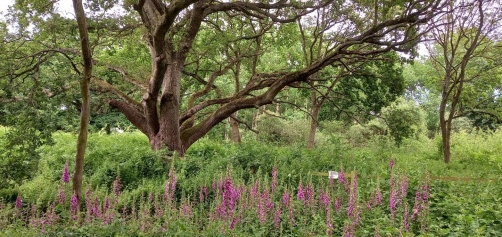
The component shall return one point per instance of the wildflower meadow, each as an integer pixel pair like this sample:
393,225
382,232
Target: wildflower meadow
230,206
250,189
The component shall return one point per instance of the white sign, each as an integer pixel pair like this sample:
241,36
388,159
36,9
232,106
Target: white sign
332,174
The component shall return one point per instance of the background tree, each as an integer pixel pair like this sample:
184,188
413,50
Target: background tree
85,111
463,36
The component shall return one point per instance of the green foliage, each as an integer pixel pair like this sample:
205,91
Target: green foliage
458,208
404,120
469,209
371,87
130,159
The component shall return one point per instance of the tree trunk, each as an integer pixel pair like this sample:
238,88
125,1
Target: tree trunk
446,145
86,103
314,123
236,135
278,108
445,125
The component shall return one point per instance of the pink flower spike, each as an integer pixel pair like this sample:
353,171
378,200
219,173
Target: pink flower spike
274,179
74,203
19,202
66,174
341,177
301,192
285,198
117,186
62,197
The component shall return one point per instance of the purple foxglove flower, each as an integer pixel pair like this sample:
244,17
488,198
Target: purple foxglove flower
265,196
393,202
329,225
291,215
309,190
341,177
66,174
378,196
117,186
391,163
325,200
159,212
301,192
229,196
61,195
346,231
107,203
96,208
404,187
338,204
277,218
73,203
254,189
421,197
186,210
232,225
357,216
285,198
19,202
201,195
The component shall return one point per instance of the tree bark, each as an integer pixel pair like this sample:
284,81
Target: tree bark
445,125
236,135
314,123
86,103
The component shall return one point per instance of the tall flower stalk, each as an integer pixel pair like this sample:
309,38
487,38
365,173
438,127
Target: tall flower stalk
66,174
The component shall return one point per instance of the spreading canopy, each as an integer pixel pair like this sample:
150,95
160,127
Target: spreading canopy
188,83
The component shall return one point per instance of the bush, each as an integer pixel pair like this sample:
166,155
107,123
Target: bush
404,120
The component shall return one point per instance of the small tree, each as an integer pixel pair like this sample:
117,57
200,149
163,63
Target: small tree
463,35
85,111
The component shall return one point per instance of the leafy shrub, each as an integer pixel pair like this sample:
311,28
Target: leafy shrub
404,120
281,131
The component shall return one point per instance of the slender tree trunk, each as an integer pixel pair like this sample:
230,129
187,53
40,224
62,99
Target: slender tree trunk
278,108
86,103
236,135
445,125
316,106
314,123
255,118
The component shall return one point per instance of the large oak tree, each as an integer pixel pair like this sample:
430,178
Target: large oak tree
198,48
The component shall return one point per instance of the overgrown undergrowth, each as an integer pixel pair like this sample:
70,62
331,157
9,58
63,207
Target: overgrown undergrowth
256,189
